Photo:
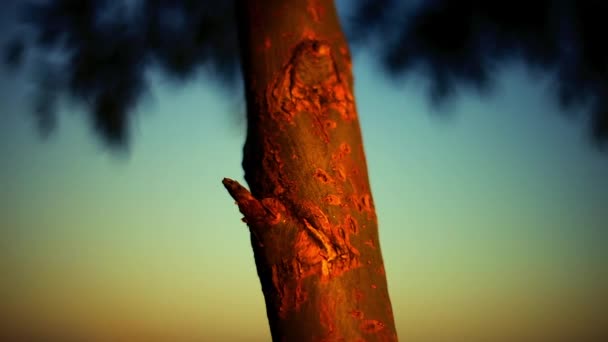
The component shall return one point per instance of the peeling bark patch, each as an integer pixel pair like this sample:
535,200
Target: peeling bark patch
340,174
323,247
342,151
371,326
310,83
326,248
344,148
322,176
351,224
317,252
314,216
362,203
308,252
366,201
345,107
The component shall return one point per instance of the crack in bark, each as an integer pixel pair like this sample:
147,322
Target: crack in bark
322,239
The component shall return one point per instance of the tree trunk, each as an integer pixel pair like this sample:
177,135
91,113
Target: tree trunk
310,211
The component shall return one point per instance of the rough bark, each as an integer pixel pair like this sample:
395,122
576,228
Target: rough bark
310,211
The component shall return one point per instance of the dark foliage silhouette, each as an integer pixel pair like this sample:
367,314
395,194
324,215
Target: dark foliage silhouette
109,45
464,41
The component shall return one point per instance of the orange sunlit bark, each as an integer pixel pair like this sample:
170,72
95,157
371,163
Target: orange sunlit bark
310,210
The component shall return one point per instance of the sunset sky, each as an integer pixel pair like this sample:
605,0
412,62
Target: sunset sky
493,215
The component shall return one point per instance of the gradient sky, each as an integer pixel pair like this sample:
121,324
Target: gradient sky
493,216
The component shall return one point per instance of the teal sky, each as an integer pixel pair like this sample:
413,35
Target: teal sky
492,214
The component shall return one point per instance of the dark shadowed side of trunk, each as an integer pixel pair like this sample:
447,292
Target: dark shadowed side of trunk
310,210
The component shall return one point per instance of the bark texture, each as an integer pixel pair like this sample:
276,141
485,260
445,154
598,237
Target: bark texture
310,210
